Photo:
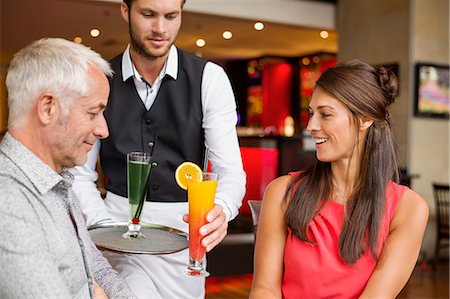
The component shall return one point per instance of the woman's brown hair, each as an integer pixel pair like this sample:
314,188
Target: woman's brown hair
367,91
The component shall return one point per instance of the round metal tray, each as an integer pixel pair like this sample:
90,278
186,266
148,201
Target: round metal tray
158,239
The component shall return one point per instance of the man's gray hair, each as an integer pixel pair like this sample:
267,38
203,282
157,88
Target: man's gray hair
53,65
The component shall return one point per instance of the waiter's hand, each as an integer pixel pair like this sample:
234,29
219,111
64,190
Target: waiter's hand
216,228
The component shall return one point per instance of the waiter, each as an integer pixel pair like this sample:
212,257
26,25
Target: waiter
190,104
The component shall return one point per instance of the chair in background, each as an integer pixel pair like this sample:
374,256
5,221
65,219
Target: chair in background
441,199
255,206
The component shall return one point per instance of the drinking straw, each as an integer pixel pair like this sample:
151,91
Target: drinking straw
141,203
205,161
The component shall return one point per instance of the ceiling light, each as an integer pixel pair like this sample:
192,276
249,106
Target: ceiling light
258,26
78,40
324,34
95,32
227,34
200,42
305,61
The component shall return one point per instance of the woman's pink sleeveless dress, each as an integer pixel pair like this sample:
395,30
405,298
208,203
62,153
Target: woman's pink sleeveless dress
317,270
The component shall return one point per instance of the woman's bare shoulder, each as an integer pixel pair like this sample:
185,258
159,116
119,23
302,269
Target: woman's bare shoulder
276,190
411,210
279,184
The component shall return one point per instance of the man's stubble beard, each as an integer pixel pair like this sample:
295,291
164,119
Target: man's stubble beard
141,50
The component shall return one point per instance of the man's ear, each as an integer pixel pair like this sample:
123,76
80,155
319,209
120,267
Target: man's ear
124,11
365,123
47,108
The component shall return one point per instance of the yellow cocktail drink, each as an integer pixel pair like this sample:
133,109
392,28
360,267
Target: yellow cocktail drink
201,187
201,201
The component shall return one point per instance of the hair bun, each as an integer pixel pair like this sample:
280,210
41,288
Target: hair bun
388,82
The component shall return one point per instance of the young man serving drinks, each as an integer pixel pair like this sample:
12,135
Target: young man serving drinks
189,103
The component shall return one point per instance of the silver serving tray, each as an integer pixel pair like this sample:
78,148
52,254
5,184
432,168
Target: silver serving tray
158,239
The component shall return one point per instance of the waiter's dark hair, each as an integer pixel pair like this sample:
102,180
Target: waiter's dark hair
129,2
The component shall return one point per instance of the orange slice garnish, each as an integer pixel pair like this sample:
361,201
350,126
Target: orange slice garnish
188,172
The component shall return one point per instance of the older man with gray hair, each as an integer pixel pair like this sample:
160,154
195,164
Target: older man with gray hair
57,91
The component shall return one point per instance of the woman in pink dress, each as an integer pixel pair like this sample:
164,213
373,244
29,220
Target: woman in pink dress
343,228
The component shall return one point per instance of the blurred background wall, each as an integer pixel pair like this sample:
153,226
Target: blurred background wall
405,32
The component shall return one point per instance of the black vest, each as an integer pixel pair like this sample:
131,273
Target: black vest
175,116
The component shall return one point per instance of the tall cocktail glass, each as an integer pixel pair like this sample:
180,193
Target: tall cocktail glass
138,172
201,201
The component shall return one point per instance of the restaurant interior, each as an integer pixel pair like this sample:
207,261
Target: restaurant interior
273,69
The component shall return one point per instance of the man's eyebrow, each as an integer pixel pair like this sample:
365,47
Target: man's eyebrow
100,106
150,10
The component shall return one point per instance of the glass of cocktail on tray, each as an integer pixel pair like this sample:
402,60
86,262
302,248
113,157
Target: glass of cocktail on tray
138,172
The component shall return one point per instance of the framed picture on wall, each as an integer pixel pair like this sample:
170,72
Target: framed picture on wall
432,90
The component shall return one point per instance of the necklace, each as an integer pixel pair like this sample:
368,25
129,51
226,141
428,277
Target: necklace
340,194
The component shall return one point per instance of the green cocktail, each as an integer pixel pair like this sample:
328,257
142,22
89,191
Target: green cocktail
138,171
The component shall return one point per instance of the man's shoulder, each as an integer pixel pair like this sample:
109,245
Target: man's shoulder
117,58
191,58
15,195
12,178
116,63
7,167
18,195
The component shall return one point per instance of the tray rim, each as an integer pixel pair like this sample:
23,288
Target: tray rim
143,225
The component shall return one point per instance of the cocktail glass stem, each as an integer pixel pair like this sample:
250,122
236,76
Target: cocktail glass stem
134,232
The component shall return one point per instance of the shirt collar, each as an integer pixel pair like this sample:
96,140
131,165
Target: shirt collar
170,67
39,173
